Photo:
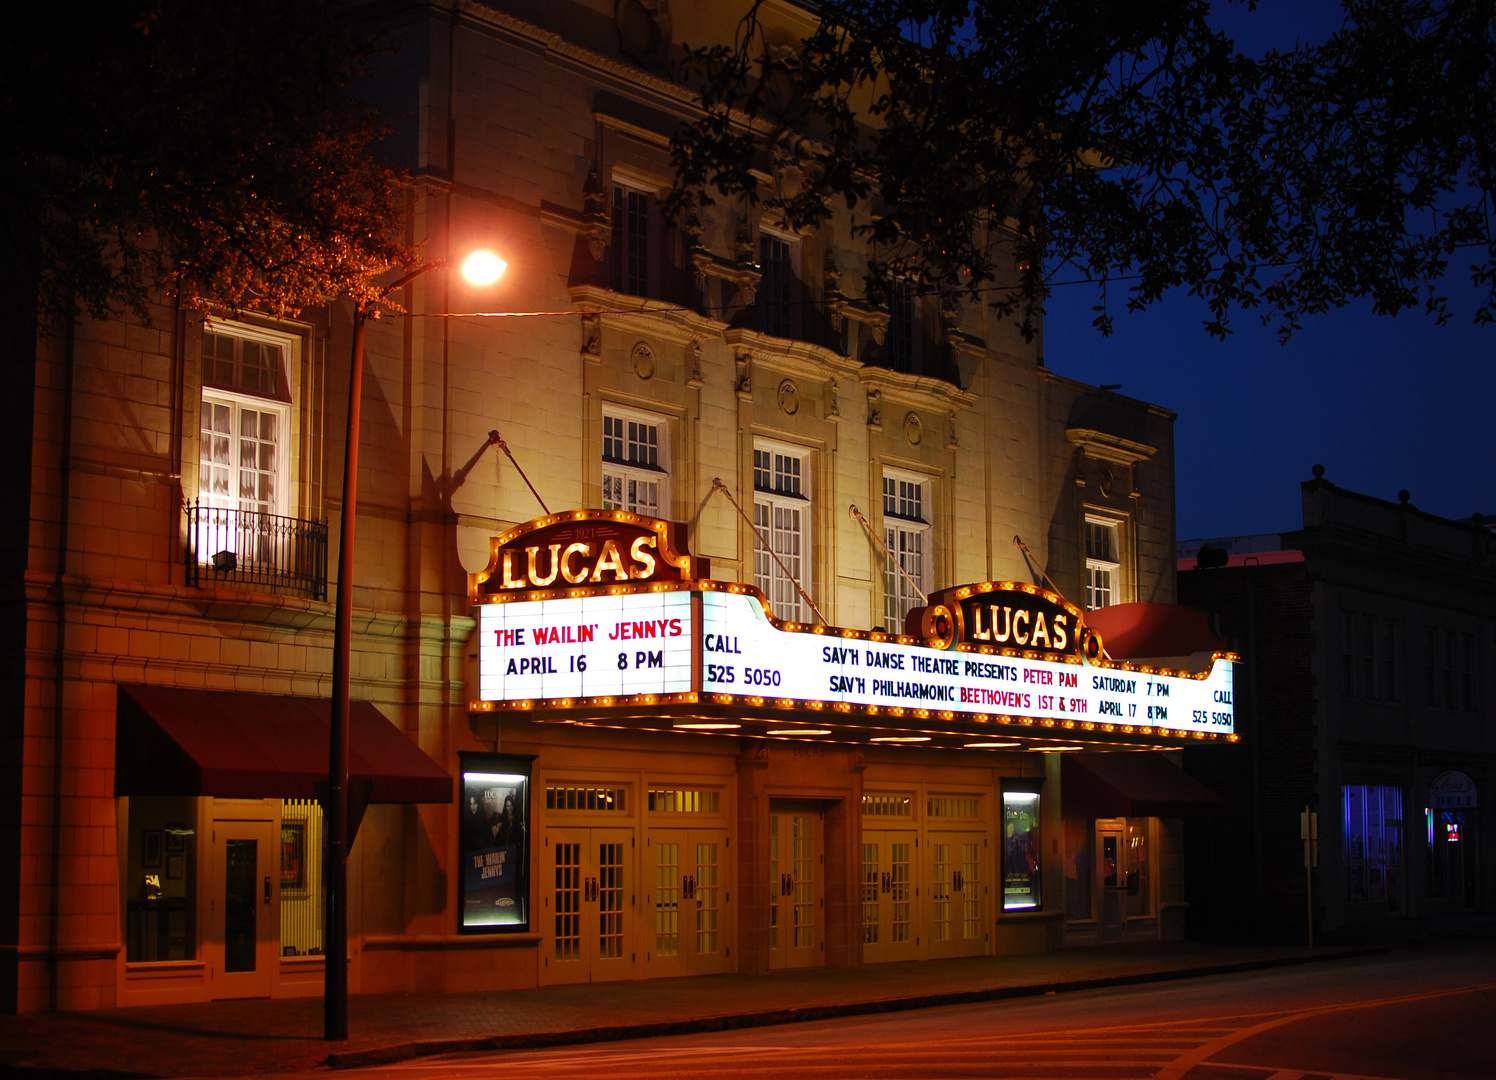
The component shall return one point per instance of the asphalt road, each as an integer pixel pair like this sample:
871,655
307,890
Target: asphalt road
1426,1013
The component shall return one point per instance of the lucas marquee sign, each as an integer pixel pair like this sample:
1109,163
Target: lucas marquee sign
603,610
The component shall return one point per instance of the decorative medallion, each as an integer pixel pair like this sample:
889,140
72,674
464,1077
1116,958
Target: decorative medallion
643,359
1105,482
914,431
789,397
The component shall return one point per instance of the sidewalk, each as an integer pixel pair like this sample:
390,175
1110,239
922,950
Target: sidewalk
236,1038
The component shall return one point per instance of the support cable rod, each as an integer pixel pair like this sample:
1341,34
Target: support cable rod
1034,567
718,485
495,439
888,553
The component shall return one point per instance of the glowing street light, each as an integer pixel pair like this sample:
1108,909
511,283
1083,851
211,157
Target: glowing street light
483,268
479,268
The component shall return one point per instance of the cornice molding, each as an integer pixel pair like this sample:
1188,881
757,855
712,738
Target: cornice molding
1107,447
918,391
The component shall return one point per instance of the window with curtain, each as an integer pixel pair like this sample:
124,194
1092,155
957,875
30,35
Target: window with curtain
636,463
1103,564
781,514
906,536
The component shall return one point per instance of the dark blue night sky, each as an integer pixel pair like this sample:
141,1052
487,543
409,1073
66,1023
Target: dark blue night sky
1382,403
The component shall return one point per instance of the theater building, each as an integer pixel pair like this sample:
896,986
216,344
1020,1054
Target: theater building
745,671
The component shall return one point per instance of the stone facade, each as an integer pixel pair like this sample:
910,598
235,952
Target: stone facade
522,124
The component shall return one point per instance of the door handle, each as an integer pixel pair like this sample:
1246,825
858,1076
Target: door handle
688,886
786,886
886,883
267,888
956,881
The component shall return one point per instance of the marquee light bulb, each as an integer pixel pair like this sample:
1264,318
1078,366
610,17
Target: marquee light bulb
483,268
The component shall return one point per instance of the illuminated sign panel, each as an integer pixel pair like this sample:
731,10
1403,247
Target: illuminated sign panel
590,646
597,609
744,653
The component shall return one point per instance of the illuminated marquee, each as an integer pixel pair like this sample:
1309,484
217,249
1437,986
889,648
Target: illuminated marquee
1004,614
584,548
604,609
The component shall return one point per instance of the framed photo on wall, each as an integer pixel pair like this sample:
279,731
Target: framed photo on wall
176,838
150,848
174,866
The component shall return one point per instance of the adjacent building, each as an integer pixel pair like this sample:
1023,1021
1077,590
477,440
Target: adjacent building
1365,697
716,389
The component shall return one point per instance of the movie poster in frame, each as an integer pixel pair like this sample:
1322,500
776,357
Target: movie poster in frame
493,843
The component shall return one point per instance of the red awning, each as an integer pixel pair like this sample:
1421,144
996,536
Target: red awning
1145,630
1130,784
255,746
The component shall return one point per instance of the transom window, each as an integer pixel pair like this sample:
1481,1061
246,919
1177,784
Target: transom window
962,806
630,247
887,806
906,535
1103,564
678,801
635,463
601,799
781,513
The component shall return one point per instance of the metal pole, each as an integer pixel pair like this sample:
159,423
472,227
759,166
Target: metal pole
335,987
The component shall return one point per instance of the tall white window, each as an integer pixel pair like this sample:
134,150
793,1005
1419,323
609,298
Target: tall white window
781,512
906,534
776,285
636,463
245,422
630,247
1103,564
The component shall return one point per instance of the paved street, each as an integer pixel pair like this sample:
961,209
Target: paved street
1417,1014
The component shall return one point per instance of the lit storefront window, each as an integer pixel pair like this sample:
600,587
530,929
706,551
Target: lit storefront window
161,886
303,901
1022,863
1371,830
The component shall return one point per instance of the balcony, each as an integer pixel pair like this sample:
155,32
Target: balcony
249,549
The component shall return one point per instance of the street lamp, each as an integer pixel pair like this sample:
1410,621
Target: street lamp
479,268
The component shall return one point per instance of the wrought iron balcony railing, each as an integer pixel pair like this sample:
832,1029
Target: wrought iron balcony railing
261,551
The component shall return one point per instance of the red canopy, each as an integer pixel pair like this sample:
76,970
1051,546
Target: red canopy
255,746
1144,630
1130,784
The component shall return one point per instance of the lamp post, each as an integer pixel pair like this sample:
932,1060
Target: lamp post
479,268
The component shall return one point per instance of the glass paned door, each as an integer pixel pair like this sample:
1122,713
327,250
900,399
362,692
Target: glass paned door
689,901
888,930
796,889
244,909
590,899
958,894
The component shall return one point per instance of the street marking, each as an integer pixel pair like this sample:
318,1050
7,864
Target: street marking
1176,1070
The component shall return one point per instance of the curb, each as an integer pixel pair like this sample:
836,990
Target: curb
389,1055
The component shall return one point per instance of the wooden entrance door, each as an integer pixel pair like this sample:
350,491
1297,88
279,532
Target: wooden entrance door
797,904
243,910
590,893
687,897
888,894
957,903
